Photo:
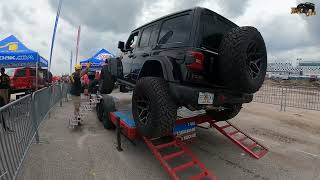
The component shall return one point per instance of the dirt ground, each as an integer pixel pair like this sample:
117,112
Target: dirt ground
304,83
299,97
293,138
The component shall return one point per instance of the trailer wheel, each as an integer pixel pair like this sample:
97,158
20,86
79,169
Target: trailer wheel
225,114
99,111
106,121
108,106
153,110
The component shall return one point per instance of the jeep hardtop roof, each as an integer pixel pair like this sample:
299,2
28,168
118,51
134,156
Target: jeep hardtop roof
179,12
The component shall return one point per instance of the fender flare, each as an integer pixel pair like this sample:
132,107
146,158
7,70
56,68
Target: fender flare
167,65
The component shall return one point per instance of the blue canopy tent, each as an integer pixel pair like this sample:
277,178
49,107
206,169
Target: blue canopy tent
14,53
98,60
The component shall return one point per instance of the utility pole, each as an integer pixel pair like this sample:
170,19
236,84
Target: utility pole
78,41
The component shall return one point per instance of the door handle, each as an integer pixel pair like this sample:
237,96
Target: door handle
145,55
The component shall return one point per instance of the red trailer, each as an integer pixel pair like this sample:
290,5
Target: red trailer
183,134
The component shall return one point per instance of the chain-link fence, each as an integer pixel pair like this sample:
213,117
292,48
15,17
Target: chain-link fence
289,96
19,122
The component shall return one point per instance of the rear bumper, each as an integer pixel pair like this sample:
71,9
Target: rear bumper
186,95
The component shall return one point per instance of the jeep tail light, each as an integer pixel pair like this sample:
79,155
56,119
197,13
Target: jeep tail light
221,98
198,61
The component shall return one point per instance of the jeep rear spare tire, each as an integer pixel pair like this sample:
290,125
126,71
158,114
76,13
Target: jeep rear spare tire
153,109
243,59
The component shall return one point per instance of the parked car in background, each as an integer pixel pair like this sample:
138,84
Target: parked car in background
56,78
24,79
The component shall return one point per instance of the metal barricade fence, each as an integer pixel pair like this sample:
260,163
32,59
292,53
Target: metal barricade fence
289,96
65,91
16,134
19,123
56,93
269,94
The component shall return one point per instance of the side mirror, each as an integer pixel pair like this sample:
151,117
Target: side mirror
121,45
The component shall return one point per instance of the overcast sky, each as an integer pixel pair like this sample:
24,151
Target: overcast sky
104,22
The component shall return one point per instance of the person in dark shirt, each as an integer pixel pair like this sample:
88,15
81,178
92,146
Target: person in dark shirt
75,91
4,86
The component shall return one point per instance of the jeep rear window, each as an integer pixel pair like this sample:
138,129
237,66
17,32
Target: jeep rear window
213,29
175,30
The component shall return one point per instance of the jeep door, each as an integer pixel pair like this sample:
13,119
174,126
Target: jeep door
129,54
143,49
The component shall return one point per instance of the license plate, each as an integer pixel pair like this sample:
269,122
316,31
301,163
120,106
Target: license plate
205,98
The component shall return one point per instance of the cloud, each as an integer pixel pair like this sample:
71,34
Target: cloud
229,8
233,8
283,33
286,35
313,22
101,15
103,23
7,16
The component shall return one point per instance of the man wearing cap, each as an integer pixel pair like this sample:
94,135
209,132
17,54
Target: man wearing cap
76,88
4,86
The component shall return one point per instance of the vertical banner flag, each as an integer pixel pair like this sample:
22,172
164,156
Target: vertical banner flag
77,48
70,62
54,32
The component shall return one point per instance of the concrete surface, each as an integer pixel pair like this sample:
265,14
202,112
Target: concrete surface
89,152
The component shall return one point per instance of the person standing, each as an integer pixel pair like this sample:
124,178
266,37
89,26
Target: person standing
4,86
76,86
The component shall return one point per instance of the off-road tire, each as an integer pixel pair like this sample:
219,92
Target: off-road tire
225,114
108,106
161,111
99,109
242,59
106,83
92,86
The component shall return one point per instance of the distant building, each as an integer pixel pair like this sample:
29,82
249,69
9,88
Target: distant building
281,67
309,67
309,63
304,68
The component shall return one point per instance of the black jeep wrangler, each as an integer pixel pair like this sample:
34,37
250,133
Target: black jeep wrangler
194,58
